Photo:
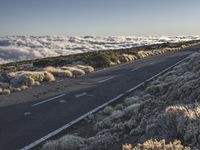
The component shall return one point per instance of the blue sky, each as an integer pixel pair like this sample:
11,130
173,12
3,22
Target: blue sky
100,17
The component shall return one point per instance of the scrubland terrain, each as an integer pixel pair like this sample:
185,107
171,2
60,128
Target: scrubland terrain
166,109
16,77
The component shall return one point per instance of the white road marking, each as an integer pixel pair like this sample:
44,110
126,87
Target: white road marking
48,100
62,101
132,89
107,79
85,83
27,113
80,95
134,69
51,134
90,95
152,63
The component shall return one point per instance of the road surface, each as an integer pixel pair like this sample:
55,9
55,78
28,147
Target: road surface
24,123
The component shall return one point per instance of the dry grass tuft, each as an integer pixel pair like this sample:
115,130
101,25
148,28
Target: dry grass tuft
48,77
75,71
127,57
58,72
87,69
156,145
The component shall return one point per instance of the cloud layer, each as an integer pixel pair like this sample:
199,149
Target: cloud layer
17,48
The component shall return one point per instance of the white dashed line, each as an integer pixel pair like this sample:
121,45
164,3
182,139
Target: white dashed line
48,100
62,101
107,79
80,95
134,69
27,113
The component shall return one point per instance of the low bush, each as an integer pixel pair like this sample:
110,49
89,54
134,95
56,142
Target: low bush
98,60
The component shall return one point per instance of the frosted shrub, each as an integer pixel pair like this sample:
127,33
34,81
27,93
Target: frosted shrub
69,142
22,81
131,100
179,120
12,89
108,110
5,77
100,142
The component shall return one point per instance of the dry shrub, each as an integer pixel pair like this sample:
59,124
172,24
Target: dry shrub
75,71
63,73
50,69
4,91
36,75
23,87
156,145
157,52
58,72
69,142
142,54
127,57
87,69
48,76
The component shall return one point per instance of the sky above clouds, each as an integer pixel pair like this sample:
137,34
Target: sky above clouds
100,17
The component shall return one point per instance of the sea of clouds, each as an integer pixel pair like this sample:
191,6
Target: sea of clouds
17,48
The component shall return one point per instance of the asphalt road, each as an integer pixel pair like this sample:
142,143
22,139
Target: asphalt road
24,123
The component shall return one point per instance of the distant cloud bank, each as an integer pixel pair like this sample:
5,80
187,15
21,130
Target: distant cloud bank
17,48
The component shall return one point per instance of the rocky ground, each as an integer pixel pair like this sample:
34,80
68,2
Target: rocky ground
166,109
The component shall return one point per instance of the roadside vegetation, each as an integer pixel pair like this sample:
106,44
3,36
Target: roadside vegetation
21,80
164,115
15,77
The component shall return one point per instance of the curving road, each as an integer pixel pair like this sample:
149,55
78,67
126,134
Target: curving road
24,123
